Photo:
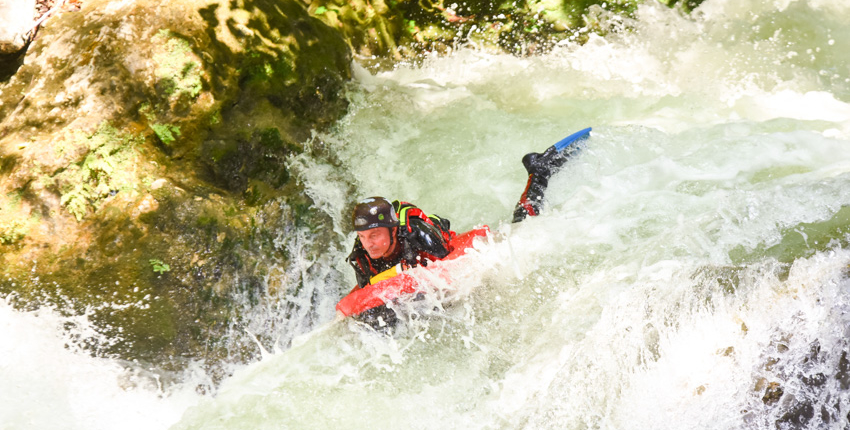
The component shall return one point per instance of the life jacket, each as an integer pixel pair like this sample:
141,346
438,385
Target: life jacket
405,210
421,238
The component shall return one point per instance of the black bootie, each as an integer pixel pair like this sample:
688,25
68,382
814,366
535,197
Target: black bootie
540,167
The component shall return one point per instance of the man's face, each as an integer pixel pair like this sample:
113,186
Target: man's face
377,241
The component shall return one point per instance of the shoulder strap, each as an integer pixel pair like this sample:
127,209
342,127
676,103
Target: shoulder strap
406,210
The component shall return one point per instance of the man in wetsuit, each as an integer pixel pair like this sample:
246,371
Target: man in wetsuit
390,234
399,233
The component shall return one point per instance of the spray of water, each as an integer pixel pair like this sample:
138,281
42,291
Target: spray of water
50,382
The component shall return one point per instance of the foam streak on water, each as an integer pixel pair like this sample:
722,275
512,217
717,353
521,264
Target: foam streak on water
689,269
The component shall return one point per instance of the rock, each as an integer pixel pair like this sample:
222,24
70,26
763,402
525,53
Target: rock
17,18
772,393
147,205
382,32
159,183
151,130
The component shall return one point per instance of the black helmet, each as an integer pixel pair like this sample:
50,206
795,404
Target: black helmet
374,212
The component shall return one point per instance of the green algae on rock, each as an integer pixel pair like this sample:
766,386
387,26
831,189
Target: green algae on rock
107,169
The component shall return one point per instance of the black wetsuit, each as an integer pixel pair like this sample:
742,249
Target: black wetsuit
539,167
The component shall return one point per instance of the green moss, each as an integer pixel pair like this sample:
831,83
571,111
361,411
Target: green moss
219,151
159,267
109,167
63,147
14,199
12,232
686,5
275,72
178,69
231,211
215,117
145,111
395,29
166,132
204,221
270,138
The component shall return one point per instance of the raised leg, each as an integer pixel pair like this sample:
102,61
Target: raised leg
540,167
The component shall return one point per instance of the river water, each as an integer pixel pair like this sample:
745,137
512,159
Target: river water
689,270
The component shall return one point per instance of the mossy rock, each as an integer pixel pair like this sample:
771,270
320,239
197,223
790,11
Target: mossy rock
159,132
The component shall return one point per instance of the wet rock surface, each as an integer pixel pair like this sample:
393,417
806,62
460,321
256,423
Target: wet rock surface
143,178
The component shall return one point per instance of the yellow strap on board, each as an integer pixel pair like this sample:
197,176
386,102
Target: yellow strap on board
386,274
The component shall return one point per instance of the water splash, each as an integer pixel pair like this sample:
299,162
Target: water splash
48,380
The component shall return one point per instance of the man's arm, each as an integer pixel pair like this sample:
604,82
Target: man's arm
423,237
356,261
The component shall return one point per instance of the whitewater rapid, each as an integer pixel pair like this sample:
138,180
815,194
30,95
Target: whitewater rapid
689,271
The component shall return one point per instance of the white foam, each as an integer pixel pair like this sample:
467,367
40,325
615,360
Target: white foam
44,385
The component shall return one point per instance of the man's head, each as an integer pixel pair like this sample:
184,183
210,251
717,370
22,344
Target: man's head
376,224
378,242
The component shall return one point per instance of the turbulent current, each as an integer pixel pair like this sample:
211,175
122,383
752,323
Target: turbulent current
690,269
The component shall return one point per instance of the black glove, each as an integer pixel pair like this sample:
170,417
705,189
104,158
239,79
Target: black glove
424,237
